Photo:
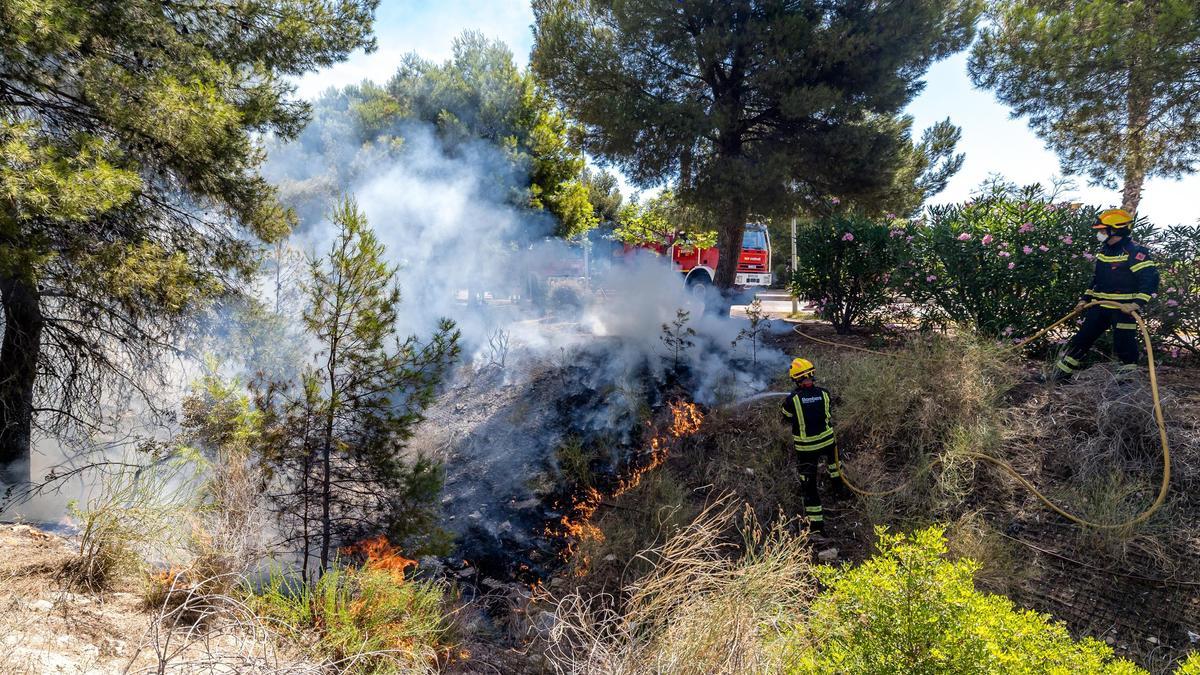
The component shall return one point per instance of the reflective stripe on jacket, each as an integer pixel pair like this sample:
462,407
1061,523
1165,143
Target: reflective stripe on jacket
1124,273
808,410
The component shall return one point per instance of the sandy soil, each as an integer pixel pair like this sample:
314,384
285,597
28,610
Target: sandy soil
45,628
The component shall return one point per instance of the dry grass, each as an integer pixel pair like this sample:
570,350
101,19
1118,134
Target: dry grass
709,605
1094,445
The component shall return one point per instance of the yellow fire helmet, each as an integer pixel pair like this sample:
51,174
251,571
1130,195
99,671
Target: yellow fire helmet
1117,219
800,368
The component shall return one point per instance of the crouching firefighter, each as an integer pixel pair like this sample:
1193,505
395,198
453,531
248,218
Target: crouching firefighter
808,410
1125,279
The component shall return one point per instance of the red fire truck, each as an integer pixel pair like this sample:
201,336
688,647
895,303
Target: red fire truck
699,265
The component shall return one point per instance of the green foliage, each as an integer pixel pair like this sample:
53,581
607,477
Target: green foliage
750,105
664,220
368,618
1112,86
129,144
759,324
908,609
918,169
1004,264
363,400
478,95
1177,308
604,192
1191,666
132,514
845,263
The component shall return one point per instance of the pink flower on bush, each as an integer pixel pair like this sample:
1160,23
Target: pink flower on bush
1027,250
1051,208
908,238
1004,254
848,237
1012,265
1026,227
987,239
1008,331
1174,352
1068,240
1074,256
1172,303
891,216
1089,257
1043,248
931,278
964,237
1171,289
835,201
896,233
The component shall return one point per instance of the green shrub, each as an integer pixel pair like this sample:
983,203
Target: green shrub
1177,308
845,263
368,620
909,609
134,514
1006,264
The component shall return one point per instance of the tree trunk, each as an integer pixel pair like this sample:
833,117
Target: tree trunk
326,494
18,372
729,243
1138,110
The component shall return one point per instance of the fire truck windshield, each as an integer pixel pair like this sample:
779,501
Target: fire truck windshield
755,240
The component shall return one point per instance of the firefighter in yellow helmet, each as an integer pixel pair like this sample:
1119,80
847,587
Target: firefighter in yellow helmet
809,412
1126,278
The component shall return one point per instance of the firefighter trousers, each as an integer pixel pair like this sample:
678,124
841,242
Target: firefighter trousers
807,464
1095,322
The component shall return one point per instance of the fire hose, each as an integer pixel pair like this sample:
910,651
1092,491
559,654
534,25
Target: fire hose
1008,468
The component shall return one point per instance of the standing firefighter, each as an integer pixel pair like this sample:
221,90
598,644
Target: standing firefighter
808,410
1125,280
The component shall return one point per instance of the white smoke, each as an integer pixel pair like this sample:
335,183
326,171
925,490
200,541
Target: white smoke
446,219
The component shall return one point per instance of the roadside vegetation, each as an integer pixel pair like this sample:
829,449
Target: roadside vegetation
200,323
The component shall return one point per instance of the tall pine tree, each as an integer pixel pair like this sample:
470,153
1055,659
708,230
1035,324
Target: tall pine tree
129,191
748,105
1113,86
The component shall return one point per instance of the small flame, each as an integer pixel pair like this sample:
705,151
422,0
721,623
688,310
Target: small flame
686,419
576,525
381,556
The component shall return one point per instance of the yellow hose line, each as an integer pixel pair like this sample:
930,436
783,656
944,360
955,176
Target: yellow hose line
1163,489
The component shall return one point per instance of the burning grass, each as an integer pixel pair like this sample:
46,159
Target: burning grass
576,526
367,618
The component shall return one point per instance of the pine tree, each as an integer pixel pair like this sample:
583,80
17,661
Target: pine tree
747,105
1113,86
364,399
129,191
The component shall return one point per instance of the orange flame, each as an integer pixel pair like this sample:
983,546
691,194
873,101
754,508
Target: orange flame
381,556
576,525
686,419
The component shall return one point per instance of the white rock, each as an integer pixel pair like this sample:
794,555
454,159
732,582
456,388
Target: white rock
1152,640
828,554
41,605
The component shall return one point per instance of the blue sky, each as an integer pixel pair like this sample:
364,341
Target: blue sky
993,142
